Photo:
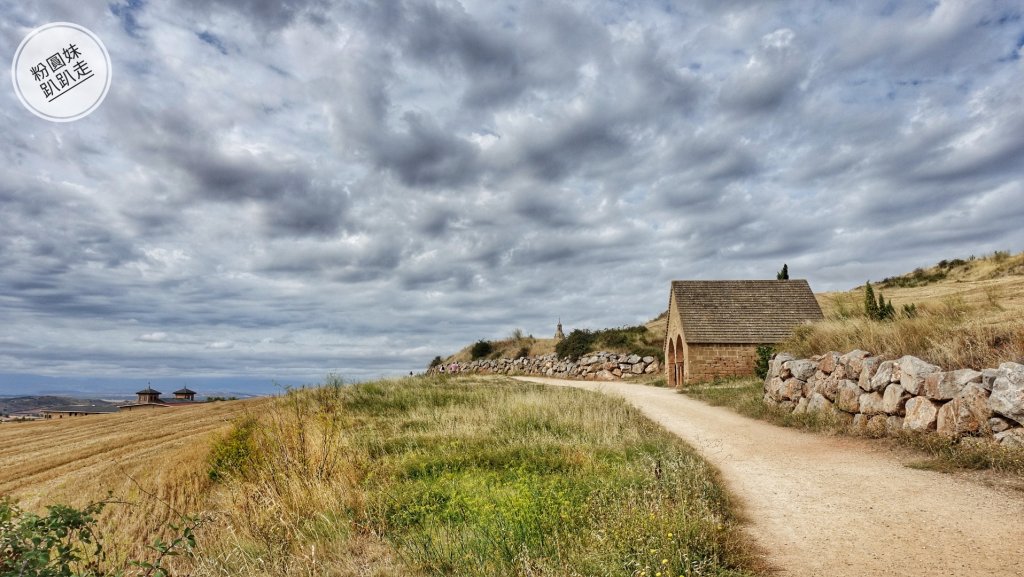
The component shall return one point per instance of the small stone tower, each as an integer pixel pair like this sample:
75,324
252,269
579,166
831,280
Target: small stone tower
559,335
148,395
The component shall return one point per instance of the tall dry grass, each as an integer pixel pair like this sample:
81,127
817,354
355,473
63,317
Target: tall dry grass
950,333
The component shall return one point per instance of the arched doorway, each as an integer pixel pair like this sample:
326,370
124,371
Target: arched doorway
680,362
670,362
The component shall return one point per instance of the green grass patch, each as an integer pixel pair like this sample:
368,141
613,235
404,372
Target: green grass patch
469,476
519,479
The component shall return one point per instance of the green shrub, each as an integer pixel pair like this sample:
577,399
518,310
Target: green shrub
575,345
764,357
437,361
63,543
66,543
481,349
523,352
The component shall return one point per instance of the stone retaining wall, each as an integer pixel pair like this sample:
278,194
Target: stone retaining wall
602,366
884,396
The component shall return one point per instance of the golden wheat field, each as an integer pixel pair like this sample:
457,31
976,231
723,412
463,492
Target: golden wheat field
152,460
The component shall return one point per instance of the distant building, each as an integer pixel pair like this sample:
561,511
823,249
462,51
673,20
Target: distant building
148,395
76,411
715,327
559,335
150,398
185,394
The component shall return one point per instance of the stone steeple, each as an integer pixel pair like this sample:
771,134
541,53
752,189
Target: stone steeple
559,335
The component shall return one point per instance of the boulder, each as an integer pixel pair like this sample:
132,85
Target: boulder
648,360
943,386
637,369
829,386
848,397
894,399
800,369
884,375
652,368
1007,397
853,362
828,363
810,385
867,372
633,359
605,375
791,390
1011,438
871,404
999,424
893,424
912,373
921,414
988,376
860,422
617,372
970,410
945,420
801,406
819,403
775,365
773,388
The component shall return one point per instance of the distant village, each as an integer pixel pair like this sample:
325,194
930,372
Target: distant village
148,398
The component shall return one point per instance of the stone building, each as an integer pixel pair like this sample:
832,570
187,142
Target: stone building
715,327
147,396
185,394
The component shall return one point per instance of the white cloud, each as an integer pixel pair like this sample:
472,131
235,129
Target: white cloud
279,190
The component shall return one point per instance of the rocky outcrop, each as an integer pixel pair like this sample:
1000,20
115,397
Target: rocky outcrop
879,396
601,366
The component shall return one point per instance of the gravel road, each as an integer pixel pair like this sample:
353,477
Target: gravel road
836,506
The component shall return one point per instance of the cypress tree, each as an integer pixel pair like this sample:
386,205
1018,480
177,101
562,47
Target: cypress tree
784,273
870,304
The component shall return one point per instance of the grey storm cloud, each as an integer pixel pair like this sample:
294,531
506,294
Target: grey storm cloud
276,190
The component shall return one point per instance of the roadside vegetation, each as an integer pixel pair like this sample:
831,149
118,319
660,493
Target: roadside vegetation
447,476
644,340
940,453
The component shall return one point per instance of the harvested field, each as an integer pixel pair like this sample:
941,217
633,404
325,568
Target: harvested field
154,460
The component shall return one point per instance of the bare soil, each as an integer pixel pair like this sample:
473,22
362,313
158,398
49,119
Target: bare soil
837,506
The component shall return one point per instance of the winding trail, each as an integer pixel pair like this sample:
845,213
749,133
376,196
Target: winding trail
837,506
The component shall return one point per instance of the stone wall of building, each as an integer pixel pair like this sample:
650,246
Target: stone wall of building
884,396
707,362
601,366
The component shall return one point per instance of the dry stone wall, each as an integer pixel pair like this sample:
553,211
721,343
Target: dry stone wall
601,366
885,396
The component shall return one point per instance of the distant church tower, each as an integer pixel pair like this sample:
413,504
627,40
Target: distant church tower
559,335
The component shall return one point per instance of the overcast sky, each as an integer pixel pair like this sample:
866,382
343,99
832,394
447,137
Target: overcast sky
276,190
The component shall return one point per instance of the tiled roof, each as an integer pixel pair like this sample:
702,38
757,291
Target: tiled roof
743,311
148,391
185,391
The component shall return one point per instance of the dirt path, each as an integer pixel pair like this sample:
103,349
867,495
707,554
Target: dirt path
828,506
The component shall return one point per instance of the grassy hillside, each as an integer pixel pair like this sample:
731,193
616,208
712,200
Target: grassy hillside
970,314
481,477
990,288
